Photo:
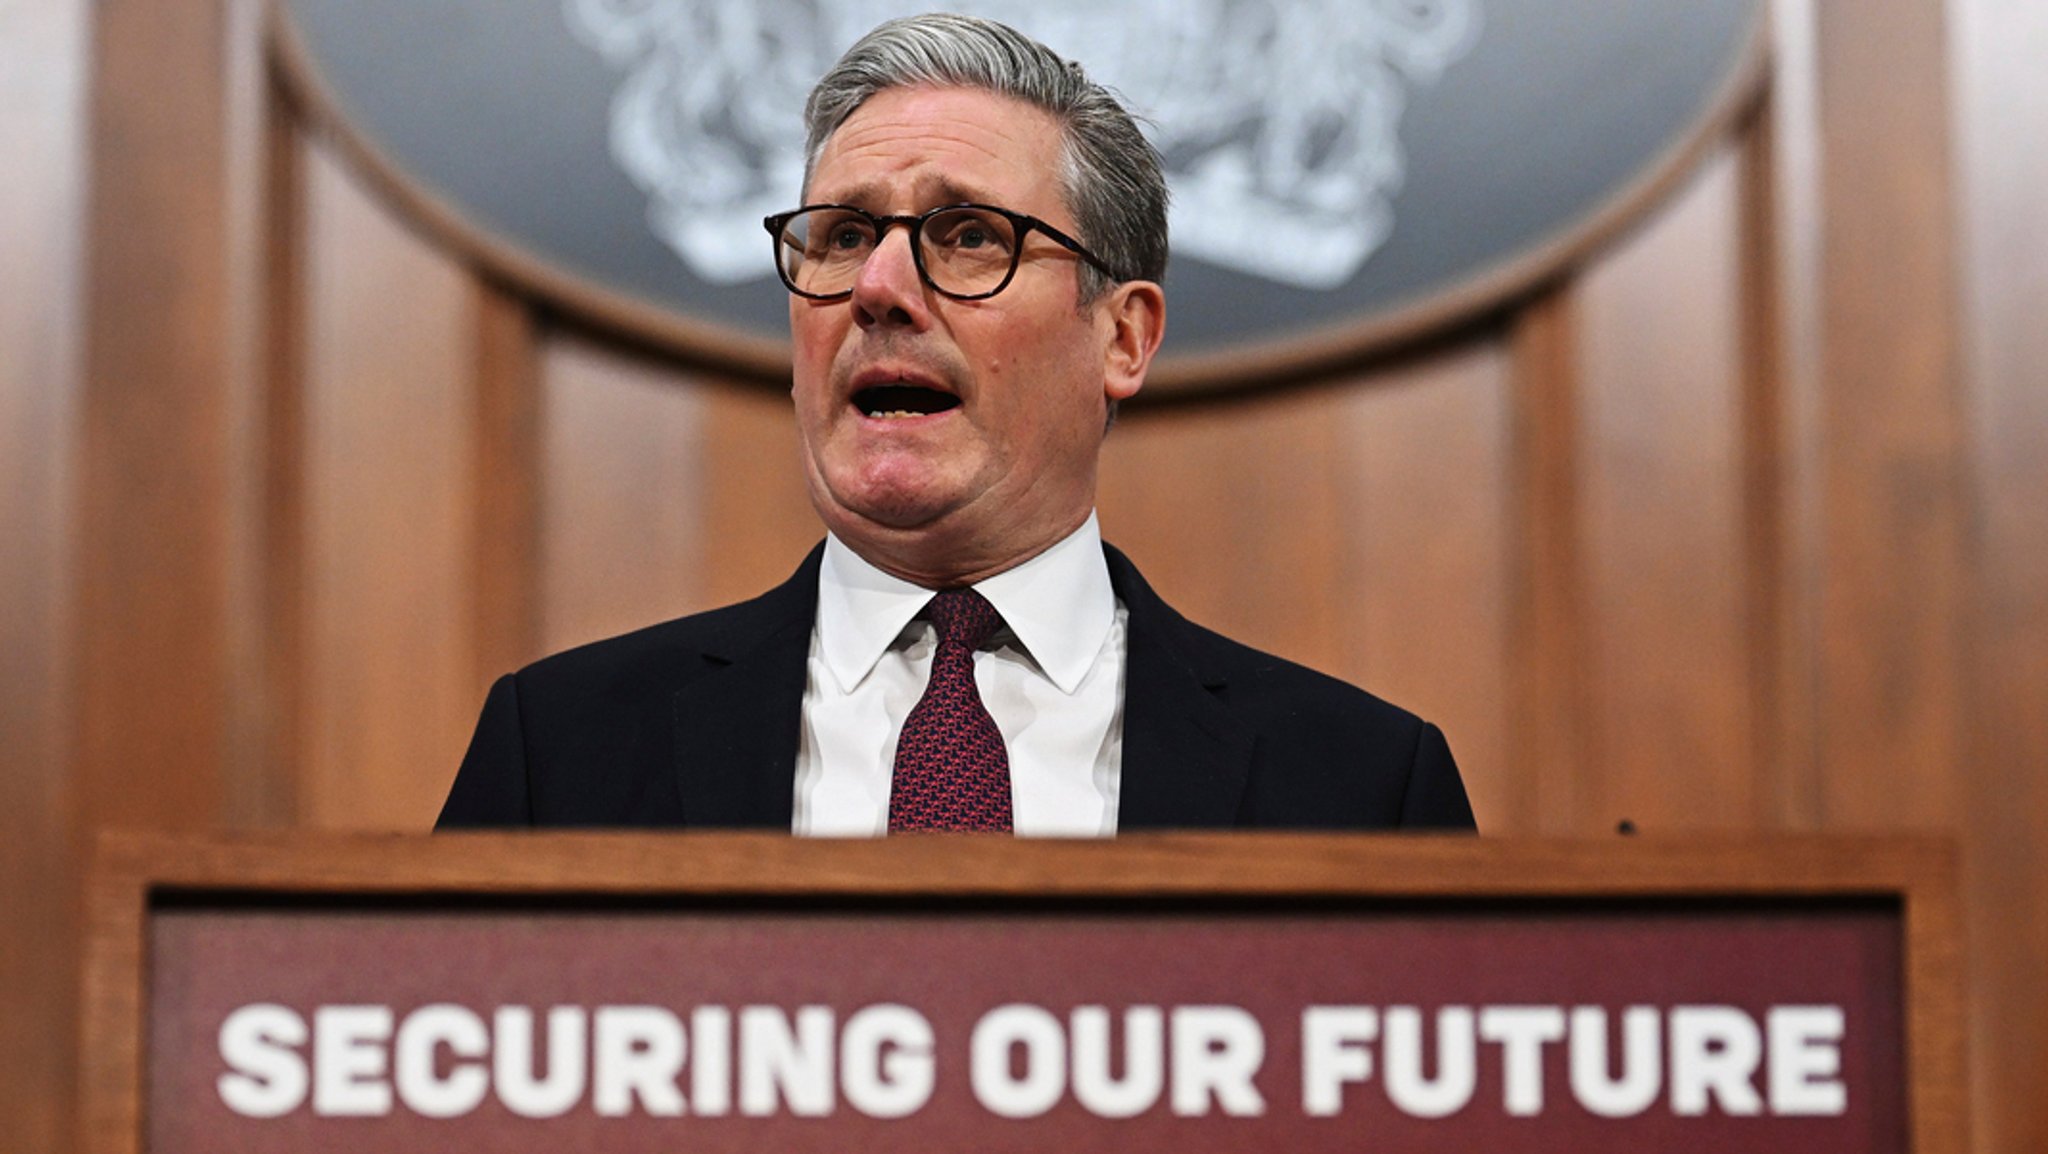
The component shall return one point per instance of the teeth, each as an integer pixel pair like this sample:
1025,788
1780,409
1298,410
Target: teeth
893,414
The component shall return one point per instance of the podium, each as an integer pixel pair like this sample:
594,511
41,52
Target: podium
1192,993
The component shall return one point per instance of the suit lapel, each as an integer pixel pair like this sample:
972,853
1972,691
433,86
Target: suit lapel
1186,755
737,725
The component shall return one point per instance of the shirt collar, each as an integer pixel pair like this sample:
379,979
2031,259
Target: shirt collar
1059,605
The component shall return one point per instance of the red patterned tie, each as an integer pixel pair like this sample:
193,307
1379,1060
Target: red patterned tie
952,772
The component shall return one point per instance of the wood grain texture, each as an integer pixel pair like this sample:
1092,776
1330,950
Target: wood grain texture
505,480
1901,730
391,346
1761,419
1421,556
153,516
264,412
666,492
272,565
622,494
758,522
1660,507
1138,866
621,484
1354,528
1775,402
1549,700
2003,104
110,1069
1232,511
1939,1027
1891,706
1782,255
43,86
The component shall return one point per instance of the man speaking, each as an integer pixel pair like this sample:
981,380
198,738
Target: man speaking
974,285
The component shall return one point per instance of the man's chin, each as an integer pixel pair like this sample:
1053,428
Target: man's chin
886,514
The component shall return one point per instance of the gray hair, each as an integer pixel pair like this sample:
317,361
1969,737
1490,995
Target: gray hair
1111,176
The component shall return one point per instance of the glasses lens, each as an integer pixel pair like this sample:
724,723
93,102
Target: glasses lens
821,250
968,250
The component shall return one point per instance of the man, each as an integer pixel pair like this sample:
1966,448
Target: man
974,282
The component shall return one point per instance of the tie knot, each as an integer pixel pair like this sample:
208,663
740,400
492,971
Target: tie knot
963,616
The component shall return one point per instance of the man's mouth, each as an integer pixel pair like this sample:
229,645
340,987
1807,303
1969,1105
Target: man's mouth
891,402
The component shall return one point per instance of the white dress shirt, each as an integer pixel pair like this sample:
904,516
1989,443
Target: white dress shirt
1052,678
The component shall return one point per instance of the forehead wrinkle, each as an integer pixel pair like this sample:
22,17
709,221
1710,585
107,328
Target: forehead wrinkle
983,133
928,190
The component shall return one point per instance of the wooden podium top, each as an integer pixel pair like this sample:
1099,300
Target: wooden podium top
1165,863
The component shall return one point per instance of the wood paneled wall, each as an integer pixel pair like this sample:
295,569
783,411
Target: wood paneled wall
1737,527
2001,111
42,135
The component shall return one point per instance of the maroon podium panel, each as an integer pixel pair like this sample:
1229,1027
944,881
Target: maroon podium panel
1627,1025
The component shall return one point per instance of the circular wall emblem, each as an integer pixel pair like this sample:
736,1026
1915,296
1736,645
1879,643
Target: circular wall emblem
1346,174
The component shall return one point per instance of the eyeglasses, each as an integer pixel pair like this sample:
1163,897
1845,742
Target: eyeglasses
965,251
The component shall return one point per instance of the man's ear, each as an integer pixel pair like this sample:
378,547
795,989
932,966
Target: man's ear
1134,313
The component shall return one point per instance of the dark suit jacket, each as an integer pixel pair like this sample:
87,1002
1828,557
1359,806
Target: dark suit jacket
695,723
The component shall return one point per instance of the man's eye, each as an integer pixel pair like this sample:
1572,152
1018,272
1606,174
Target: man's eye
847,236
968,234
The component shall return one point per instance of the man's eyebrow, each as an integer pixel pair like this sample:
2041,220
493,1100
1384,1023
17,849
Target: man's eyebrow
933,192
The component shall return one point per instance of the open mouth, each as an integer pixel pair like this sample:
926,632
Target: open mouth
893,401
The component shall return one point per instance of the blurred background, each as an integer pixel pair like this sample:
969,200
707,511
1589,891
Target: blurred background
1735,525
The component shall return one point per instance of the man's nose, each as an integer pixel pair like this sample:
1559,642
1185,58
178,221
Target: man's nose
888,289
